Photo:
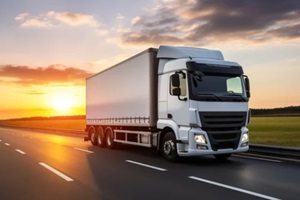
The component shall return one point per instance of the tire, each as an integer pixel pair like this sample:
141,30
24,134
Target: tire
109,138
222,156
101,137
93,135
169,148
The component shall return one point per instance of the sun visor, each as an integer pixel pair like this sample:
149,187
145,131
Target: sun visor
169,52
215,69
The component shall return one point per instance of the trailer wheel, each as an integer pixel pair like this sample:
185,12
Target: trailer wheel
109,138
101,137
92,135
222,156
169,149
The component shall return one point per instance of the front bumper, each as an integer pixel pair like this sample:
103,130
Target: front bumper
191,147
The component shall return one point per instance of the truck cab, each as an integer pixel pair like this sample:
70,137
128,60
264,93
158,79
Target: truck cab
203,99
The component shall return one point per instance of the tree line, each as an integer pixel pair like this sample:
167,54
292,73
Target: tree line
49,118
290,110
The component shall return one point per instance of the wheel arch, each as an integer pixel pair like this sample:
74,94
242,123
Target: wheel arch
166,126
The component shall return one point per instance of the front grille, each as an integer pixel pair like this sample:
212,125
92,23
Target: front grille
223,128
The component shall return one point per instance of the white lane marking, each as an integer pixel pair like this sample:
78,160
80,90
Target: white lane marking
44,140
83,150
58,173
21,152
0,140
234,188
145,165
7,144
255,158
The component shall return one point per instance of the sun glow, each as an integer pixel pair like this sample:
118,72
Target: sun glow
63,102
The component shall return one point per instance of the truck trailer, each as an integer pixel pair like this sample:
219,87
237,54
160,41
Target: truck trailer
183,101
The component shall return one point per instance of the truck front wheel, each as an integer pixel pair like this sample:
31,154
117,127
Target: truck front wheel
169,149
109,138
92,135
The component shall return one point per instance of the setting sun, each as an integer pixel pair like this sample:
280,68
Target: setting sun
63,102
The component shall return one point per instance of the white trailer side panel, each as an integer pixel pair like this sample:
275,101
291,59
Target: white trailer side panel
122,94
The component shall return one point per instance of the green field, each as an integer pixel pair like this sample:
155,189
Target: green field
281,131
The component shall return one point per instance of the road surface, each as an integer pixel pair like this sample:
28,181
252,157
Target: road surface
37,165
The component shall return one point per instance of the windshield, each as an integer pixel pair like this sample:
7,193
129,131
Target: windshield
217,88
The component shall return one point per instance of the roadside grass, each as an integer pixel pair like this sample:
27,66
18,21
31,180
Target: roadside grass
280,131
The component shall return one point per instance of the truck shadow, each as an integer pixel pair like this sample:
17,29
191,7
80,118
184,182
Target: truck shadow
194,160
149,155
114,178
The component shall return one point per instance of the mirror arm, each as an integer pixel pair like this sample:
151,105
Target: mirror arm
180,72
184,99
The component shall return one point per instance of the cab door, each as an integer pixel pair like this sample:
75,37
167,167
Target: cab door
178,102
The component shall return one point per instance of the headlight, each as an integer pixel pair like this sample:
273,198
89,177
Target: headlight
200,139
245,138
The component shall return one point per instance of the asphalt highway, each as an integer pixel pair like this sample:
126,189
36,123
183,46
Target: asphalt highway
39,165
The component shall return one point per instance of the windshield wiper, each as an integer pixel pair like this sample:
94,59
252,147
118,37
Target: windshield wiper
236,95
210,95
197,77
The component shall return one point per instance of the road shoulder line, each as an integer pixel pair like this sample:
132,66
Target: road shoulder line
233,188
257,158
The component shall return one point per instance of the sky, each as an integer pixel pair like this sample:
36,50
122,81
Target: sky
49,47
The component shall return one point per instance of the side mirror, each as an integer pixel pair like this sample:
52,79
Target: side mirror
175,80
247,85
176,91
175,83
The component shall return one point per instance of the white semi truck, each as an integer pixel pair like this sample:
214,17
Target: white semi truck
182,101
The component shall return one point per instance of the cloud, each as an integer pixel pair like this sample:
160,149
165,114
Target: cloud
54,74
21,16
120,17
73,19
36,23
28,21
290,31
135,20
201,21
52,18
